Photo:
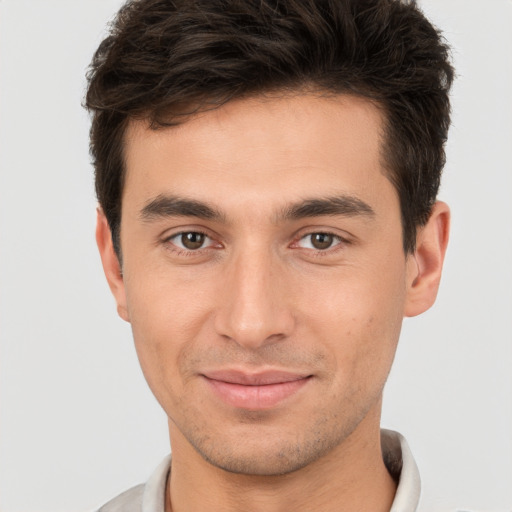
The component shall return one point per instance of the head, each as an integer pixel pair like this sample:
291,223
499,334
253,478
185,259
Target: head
267,174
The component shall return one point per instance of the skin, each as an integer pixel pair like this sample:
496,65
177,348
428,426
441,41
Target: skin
260,295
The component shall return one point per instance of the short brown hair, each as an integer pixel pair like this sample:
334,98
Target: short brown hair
164,60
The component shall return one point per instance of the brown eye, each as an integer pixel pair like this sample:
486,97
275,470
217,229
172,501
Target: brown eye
322,240
189,242
192,240
319,241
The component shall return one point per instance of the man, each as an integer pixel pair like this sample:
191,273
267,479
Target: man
267,174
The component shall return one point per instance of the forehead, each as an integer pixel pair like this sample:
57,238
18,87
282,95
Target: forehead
260,150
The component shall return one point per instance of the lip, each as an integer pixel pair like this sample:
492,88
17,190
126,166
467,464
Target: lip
255,391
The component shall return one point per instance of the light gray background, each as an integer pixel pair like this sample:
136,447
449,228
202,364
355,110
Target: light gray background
78,423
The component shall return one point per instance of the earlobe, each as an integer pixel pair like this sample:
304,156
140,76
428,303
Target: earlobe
110,263
424,267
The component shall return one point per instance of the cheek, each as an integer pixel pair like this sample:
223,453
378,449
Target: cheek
358,319
167,324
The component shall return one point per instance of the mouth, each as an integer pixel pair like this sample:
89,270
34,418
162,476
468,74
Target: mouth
255,391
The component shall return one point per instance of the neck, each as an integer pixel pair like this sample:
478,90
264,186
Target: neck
351,477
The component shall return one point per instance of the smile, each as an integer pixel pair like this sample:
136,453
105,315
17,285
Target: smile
255,391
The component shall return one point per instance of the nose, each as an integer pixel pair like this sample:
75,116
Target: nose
253,309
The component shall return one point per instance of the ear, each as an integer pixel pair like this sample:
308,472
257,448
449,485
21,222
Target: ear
424,266
111,265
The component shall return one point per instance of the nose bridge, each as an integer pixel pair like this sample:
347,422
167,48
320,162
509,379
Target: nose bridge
253,311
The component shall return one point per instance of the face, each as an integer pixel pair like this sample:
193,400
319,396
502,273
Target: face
264,276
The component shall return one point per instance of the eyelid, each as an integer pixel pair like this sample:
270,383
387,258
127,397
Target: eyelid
343,240
167,240
177,236
305,231
337,238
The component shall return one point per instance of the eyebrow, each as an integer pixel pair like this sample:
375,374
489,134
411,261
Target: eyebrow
172,206
348,206
164,206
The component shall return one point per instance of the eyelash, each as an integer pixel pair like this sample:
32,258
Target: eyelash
184,251
312,252
319,253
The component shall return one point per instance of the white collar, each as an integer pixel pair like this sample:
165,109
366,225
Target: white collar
400,463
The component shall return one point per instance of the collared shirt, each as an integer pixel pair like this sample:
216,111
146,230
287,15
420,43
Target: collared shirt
150,497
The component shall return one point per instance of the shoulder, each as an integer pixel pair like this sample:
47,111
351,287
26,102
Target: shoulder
128,501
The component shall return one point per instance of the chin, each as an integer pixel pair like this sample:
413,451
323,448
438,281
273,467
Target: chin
267,454
275,464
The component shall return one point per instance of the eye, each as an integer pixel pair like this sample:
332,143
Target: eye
191,240
319,241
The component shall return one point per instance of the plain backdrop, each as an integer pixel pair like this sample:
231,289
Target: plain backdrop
77,421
